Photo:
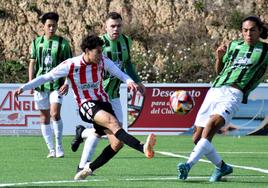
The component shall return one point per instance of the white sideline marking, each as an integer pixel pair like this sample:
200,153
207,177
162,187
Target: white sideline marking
234,152
206,161
157,178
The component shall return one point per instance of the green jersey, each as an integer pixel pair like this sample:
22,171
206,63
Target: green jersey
119,52
48,54
244,66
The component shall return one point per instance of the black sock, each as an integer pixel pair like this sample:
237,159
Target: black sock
103,158
222,163
129,140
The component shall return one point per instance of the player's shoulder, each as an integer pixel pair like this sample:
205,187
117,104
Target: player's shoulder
126,37
235,43
37,39
63,40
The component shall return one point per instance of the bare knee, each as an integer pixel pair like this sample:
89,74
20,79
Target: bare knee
117,146
55,116
197,134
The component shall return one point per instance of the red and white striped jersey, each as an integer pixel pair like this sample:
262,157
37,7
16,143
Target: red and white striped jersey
87,79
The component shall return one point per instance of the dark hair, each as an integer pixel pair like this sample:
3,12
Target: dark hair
91,42
51,16
260,25
114,16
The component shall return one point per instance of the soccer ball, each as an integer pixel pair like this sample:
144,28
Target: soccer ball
181,102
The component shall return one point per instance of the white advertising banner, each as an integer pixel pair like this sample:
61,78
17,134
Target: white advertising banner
22,118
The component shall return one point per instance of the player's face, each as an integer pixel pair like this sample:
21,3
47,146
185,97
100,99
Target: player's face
113,28
251,32
94,55
50,28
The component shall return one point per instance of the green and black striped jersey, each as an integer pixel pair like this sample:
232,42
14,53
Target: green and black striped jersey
244,66
48,54
119,52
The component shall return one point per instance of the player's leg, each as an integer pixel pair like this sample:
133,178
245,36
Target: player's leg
212,156
91,141
42,103
108,153
184,168
103,115
109,121
55,109
91,138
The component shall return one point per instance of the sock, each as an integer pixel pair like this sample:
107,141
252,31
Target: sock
202,147
103,158
214,157
129,140
88,132
58,128
48,136
89,149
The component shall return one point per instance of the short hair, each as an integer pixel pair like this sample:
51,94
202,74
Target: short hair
259,23
50,16
114,16
91,42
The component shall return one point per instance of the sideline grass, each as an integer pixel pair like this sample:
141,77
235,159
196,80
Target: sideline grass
24,163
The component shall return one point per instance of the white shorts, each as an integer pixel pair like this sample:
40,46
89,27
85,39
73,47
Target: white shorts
117,108
223,101
44,99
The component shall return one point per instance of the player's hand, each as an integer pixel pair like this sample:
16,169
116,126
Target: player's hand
17,93
221,50
64,89
141,88
133,86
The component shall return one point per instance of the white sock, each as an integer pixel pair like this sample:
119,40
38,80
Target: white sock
89,149
202,147
48,136
214,157
58,127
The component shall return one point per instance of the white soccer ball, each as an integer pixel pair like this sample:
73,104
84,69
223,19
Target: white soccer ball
181,102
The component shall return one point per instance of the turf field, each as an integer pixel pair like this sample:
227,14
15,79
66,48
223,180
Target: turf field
23,163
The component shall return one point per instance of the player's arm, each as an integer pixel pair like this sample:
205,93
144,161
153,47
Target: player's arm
66,53
33,84
220,52
115,71
31,69
58,72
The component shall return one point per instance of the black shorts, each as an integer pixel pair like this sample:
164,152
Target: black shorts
88,110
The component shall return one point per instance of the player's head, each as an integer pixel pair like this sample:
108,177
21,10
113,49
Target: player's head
253,29
92,47
113,25
50,22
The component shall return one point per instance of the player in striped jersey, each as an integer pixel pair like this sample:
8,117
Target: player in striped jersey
47,51
240,69
117,47
85,73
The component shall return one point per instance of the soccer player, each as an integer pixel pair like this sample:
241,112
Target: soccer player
117,47
47,51
240,69
85,73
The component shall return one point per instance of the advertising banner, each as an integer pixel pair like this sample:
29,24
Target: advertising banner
21,117
152,112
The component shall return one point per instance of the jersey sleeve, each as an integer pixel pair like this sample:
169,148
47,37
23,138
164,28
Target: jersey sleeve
115,71
130,67
62,70
66,50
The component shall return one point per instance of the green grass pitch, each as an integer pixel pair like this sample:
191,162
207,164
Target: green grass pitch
24,163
